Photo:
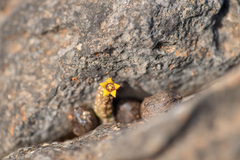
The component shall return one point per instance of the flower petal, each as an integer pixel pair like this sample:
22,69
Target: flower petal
113,93
105,93
103,84
109,80
116,86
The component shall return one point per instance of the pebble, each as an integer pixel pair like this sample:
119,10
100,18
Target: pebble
83,120
159,104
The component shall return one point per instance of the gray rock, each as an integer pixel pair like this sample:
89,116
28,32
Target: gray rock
7,7
71,149
53,54
228,35
203,128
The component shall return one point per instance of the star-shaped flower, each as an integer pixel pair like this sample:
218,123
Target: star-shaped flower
109,87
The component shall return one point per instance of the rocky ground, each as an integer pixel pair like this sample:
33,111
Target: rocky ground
54,54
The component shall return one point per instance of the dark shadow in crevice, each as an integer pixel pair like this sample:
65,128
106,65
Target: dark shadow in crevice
159,45
126,91
218,22
55,29
68,136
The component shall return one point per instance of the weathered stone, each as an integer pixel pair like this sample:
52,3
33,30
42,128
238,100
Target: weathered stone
7,7
197,130
71,148
206,129
159,104
53,54
228,35
128,110
83,120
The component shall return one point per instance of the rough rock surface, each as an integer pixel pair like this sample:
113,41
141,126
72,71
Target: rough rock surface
7,7
196,130
70,149
228,35
159,104
53,54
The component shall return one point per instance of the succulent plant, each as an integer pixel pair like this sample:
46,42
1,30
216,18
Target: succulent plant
103,106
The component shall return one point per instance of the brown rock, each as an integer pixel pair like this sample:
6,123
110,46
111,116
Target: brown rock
159,104
84,120
128,110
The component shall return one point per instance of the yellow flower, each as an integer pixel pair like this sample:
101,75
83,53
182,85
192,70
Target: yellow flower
109,87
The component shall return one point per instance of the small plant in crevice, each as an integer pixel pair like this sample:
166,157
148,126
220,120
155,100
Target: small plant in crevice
103,106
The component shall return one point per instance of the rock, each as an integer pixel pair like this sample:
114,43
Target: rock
84,120
197,129
128,111
159,104
54,54
228,35
7,7
70,149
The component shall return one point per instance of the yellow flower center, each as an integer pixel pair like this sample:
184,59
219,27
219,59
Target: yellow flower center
110,87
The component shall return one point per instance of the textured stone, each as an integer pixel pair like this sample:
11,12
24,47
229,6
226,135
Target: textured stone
204,129
196,130
159,104
76,148
7,7
53,54
228,35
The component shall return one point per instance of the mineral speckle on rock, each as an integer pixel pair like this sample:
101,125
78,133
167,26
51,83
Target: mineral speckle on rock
159,104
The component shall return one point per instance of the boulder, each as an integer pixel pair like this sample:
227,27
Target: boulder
206,127
54,54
